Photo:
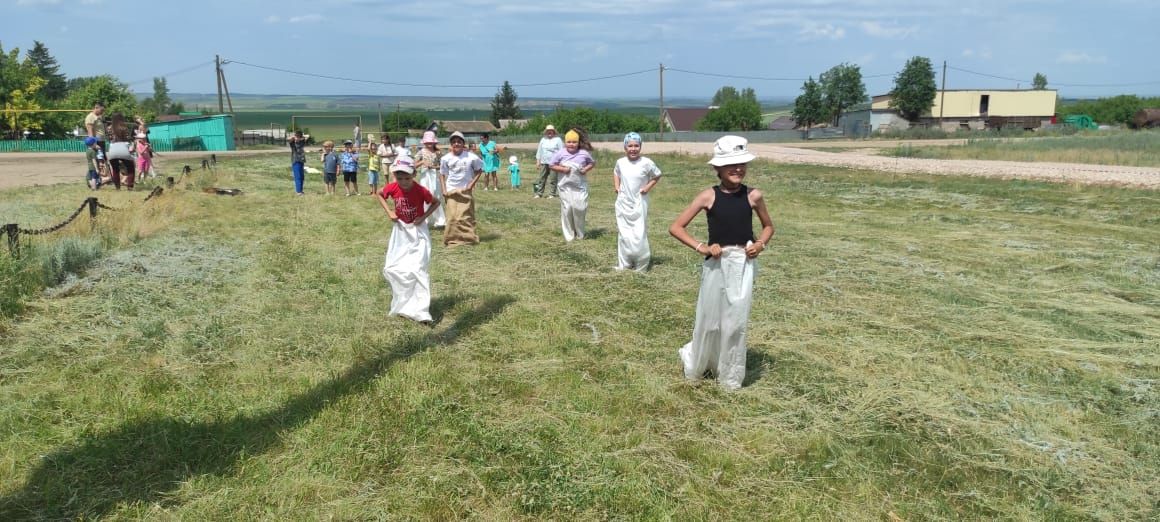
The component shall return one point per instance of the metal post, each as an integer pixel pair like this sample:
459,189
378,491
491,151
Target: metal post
217,62
942,96
92,203
13,232
662,80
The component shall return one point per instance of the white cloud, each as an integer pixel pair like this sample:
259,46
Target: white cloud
272,19
1079,57
982,54
590,51
822,32
37,2
306,19
880,30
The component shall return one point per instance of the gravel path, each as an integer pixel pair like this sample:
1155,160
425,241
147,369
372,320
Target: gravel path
1140,177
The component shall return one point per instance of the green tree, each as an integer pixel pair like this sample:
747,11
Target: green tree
1039,83
807,107
592,120
55,85
405,120
724,95
735,115
503,105
105,89
158,104
749,94
842,87
20,84
914,88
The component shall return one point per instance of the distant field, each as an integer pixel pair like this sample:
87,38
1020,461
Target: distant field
1127,148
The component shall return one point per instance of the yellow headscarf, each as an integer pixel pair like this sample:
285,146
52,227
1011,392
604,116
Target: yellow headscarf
572,135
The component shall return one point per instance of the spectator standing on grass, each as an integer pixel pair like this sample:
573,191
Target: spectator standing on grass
372,165
723,303
573,165
387,153
549,145
144,155
514,171
93,176
633,178
121,153
298,160
427,167
459,171
409,250
348,160
357,136
95,124
329,166
489,152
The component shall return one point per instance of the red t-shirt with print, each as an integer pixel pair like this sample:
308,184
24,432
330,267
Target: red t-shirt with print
409,203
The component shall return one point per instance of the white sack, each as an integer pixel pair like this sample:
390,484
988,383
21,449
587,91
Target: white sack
573,191
632,250
429,179
722,317
408,256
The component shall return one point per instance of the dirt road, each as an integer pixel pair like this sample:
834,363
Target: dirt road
1141,177
24,169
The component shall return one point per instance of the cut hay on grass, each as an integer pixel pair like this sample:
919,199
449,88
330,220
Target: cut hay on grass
921,348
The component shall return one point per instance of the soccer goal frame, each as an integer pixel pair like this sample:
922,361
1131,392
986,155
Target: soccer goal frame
295,117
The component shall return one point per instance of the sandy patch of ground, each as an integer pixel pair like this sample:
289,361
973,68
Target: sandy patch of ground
23,169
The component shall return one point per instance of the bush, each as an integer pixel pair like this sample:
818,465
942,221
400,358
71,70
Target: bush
70,255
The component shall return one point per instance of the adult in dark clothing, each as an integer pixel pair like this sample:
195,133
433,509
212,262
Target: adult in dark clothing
718,344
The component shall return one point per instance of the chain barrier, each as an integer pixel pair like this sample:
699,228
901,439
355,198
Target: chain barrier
58,226
13,230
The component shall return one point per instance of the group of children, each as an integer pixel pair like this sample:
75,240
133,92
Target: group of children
724,300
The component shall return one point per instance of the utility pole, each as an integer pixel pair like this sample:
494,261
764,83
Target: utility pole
226,87
217,62
942,96
380,117
662,115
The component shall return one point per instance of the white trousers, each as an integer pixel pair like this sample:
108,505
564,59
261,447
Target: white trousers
722,317
405,268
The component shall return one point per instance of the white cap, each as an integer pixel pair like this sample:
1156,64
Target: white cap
403,164
731,150
550,127
513,160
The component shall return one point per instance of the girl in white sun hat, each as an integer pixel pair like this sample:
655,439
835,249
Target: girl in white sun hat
514,171
718,344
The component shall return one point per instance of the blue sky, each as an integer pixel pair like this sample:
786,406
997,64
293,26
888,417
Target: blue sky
1104,45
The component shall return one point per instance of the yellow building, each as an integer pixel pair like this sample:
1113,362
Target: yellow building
980,109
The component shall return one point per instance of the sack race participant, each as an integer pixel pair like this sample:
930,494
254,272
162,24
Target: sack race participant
409,250
459,170
427,166
718,345
573,165
633,178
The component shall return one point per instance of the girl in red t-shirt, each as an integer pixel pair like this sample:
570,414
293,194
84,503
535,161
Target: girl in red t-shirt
409,250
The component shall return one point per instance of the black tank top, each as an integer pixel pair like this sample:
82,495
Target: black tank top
730,217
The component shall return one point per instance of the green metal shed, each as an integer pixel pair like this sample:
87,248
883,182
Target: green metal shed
209,133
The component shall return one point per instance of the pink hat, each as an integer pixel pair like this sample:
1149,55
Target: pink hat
429,137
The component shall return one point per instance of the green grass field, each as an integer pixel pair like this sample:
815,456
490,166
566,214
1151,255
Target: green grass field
1128,148
921,348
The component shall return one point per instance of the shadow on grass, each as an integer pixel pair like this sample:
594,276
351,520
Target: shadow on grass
756,363
146,460
595,233
488,237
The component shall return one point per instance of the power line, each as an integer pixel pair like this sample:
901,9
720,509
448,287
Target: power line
761,78
174,73
1056,84
437,85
